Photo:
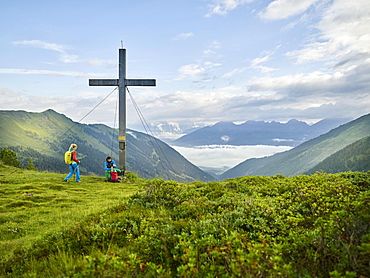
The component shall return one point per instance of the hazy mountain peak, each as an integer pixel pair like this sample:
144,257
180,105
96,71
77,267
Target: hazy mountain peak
253,132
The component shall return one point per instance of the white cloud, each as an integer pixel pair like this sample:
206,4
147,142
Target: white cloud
96,62
193,70
190,70
83,103
255,64
346,90
183,36
215,44
52,73
265,69
234,72
257,61
64,56
292,24
211,51
315,81
69,58
342,32
218,156
42,44
223,7
280,9
228,103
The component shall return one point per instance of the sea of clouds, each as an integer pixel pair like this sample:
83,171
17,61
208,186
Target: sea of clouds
217,156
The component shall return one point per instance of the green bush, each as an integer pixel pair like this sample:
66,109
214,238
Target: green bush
304,226
9,157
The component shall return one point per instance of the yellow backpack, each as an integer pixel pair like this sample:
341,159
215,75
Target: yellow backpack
68,157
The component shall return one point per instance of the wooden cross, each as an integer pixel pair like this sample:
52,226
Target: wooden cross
122,82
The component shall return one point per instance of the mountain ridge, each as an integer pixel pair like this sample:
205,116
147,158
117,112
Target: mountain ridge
291,133
354,157
45,136
305,156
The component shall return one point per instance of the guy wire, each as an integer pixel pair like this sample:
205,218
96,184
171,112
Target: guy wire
114,126
61,136
145,125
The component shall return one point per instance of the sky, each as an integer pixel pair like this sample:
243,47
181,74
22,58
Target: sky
213,60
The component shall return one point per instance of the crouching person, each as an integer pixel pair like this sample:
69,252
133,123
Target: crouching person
109,167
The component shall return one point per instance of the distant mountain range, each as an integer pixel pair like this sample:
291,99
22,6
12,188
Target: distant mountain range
45,137
273,133
169,131
341,149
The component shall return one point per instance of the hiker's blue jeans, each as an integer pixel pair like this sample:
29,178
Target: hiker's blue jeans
73,167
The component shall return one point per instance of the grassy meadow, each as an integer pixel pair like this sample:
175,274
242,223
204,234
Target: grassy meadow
33,204
251,226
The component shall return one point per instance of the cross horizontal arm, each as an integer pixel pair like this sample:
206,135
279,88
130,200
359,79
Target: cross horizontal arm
103,82
128,82
140,82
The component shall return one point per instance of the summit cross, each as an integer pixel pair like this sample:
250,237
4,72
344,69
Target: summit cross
122,82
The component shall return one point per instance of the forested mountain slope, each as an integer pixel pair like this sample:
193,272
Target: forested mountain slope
354,157
45,136
304,157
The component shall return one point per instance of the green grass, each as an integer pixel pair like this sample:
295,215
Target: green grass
33,204
252,226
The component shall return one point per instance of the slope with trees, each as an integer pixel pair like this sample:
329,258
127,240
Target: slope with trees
354,157
305,156
44,137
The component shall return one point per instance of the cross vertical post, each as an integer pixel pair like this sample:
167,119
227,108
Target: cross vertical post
122,110
122,82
